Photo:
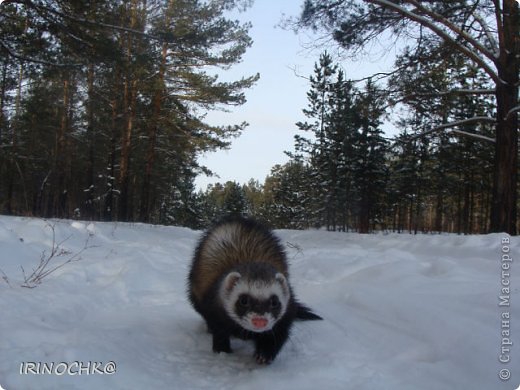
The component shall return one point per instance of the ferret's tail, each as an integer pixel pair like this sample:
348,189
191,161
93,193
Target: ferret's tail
304,313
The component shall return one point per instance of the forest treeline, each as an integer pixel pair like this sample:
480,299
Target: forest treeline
345,175
102,107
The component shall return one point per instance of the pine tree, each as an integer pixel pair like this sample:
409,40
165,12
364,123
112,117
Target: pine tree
288,193
234,199
318,146
345,120
369,166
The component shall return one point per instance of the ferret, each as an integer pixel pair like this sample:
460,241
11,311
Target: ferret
239,284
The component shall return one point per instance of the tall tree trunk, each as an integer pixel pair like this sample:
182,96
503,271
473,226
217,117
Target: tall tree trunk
108,208
14,144
472,205
2,95
91,137
503,204
364,211
439,210
460,196
59,207
487,219
3,159
144,213
130,96
466,208
410,215
130,104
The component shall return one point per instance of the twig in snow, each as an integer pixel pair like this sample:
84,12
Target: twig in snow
5,278
296,247
44,268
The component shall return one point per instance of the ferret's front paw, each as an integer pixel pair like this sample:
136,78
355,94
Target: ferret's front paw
263,359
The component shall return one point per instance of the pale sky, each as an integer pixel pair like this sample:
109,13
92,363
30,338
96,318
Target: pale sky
275,103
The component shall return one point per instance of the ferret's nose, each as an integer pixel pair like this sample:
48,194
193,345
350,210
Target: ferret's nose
260,308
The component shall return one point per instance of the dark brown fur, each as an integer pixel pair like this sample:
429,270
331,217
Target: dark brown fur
217,253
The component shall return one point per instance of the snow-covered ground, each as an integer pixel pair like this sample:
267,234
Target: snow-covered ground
400,312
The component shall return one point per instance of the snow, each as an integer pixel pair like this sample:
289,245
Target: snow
400,312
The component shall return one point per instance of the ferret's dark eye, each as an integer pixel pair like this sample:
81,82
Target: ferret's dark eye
243,300
274,302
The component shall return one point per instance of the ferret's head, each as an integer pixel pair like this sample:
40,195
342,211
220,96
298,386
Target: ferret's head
255,300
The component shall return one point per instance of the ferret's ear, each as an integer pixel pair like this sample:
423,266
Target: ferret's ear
230,281
283,282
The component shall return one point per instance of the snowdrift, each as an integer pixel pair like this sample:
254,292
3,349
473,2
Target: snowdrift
401,312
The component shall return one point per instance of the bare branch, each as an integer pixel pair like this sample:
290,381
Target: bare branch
5,278
295,71
378,76
101,24
445,22
441,33
13,54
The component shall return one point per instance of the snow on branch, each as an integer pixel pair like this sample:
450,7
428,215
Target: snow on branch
469,91
487,30
482,137
476,119
456,91
511,112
